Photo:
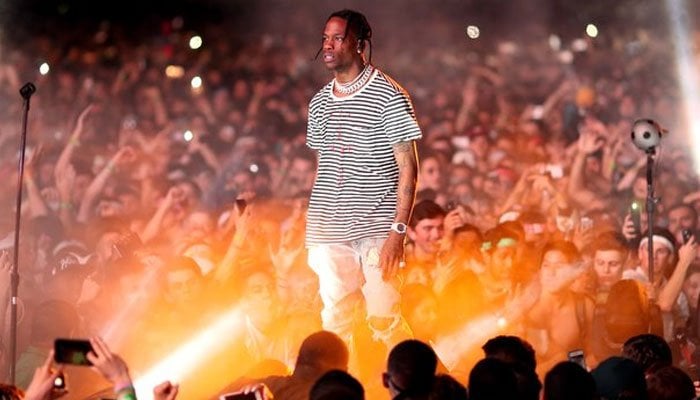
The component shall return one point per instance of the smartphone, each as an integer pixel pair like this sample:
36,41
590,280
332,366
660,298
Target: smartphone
241,205
451,205
687,234
127,245
239,396
556,171
636,213
72,351
577,357
59,382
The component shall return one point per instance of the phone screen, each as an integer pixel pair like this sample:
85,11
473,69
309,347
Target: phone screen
687,234
72,351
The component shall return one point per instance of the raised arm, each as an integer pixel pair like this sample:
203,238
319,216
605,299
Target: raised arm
73,141
588,143
124,154
669,293
35,201
153,228
227,265
469,97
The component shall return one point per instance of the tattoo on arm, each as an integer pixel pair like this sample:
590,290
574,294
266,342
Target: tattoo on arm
407,161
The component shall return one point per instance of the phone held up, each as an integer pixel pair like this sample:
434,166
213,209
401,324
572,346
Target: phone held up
687,234
72,351
636,213
241,396
59,382
126,246
578,357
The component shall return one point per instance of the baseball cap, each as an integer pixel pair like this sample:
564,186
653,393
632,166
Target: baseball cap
70,256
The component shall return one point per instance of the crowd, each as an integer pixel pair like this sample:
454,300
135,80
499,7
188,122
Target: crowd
154,206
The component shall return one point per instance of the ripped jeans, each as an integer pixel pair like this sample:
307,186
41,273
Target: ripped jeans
346,271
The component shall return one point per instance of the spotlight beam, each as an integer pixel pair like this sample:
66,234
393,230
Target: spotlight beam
686,70
193,354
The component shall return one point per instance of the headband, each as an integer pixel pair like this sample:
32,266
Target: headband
662,240
504,242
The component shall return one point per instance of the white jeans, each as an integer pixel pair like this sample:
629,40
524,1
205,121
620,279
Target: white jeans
346,270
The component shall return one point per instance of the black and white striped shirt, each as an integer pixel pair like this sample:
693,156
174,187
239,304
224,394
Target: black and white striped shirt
354,195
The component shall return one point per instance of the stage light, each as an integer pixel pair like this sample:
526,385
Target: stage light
678,12
44,68
193,354
501,322
188,135
591,30
554,42
476,332
473,32
195,42
112,332
174,71
196,82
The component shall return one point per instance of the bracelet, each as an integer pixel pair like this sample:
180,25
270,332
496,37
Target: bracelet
125,393
118,387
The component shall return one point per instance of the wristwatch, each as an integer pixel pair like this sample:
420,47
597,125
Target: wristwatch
399,227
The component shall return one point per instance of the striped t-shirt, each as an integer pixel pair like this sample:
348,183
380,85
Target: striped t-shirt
354,195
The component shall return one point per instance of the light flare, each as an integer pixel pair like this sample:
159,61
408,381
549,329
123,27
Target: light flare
193,354
686,70
472,335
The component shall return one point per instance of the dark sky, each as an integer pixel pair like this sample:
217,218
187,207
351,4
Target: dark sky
255,15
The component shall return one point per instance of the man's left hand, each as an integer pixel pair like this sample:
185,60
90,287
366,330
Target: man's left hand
391,255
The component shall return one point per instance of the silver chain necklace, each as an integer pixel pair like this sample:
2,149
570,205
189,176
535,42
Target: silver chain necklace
352,86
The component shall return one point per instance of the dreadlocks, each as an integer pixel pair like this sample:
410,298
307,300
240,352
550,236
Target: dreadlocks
358,25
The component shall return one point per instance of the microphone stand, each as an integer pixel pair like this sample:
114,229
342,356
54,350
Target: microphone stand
26,92
650,204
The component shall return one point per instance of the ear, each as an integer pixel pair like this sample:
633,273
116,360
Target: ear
385,380
360,46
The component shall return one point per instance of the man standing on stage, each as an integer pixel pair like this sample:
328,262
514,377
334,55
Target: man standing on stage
362,126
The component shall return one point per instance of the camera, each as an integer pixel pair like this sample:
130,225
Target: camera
646,134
